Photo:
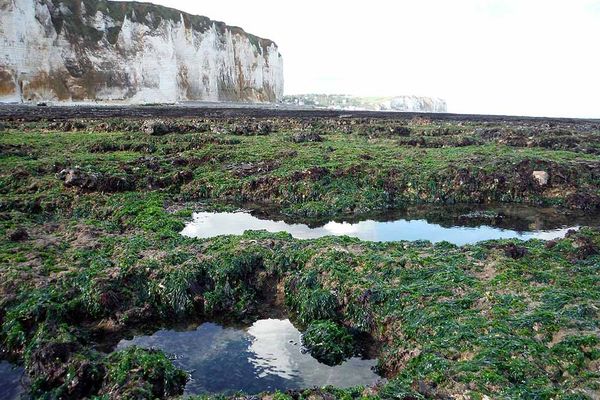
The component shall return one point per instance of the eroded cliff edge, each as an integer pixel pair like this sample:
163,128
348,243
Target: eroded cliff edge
98,50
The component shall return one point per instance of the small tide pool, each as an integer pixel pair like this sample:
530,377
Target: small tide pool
266,356
469,227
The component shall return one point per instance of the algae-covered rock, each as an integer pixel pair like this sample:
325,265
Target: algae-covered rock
328,342
140,373
303,137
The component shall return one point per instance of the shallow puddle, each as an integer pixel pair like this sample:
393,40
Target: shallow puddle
464,227
11,377
264,357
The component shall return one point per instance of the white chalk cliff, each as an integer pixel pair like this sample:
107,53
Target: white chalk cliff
98,50
347,102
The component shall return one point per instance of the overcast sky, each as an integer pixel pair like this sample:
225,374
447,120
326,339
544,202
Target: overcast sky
526,57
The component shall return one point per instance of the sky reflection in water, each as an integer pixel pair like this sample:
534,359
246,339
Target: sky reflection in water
207,224
265,357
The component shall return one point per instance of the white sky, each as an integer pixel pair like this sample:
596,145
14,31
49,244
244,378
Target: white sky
525,57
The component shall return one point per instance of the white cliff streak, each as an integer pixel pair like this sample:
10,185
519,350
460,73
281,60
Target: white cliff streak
97,50
347,102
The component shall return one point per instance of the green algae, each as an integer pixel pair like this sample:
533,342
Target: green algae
328,342
447,320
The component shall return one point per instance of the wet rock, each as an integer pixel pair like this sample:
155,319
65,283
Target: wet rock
314,174
365,297
50,361
321,395
247,169
67,126
541,177
400,131
415,142
18,235
584,247
251,129
583,201
488,133
513,251
138,315
303,137
74,177
288,154
113,184
427,389
156,128
87,379
177,178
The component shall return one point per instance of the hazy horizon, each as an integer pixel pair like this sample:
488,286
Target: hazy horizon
512,57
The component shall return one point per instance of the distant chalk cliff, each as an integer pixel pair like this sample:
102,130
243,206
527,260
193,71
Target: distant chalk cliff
346,102
98,50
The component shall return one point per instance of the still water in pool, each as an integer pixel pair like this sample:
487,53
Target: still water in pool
529,223
264,357
11,376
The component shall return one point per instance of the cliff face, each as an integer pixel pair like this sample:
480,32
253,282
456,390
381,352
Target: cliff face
88,50
345,102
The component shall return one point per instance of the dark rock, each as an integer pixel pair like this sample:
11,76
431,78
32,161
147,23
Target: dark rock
87,380
50,361
303,137
183,176
365,297
583,201
513,251
314,174
176,179
156,128
74,177
247,169
2,127
264,128
400,131
138,315
584,247
18,235
67,126
251,129
288,154
109,299
113,184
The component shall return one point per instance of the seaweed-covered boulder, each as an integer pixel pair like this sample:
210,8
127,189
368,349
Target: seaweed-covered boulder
328,342
136,373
